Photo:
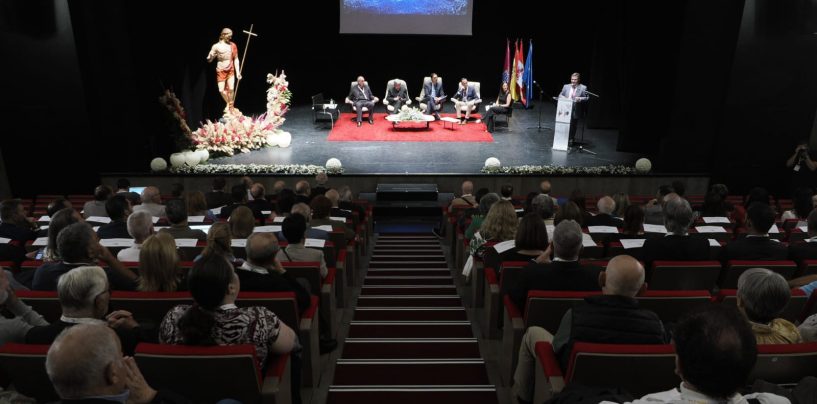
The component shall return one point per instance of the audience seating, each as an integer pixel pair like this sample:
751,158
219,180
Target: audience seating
793,311
496,287
785,364
684,275
24,367
670,305
733,269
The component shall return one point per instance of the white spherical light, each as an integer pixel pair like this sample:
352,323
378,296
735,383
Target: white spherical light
284,139
191,158
272,139
158,164
643,165
333,163
177,159
492,162
203,154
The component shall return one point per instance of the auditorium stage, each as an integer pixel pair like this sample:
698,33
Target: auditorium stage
520,144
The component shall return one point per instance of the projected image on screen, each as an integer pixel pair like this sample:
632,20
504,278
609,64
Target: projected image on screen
426,7
423,17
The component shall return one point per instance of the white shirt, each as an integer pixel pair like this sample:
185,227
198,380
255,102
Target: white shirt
130,254
254,268
688,396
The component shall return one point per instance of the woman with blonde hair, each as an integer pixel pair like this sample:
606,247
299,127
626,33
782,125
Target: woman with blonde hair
219,242
242,222
499,225
159,265
197,206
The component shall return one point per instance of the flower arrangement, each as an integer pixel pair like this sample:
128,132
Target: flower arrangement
410,114
243,133
248,169
174,106
561,170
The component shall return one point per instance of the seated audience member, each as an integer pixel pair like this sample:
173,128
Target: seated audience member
715,204
336,211
500,107
756,246
577,197
321,208
762,296
259,203
465,198
294,229
57,205
530,242
679,187
802,205
306,212
303,192
715,354
118,209
677,245
140,226
277,187
215,320
321,179
19,318
217,197
247,182
565,272
485,204
285,201
633,226
654,209
177,190
219,242
197,206
806,250
345,202
622,201
543,206
159,265
78,246
545,188
570,211
239,195
606,206
176,211
241,222
500,224
14,224
464,100
611,318
756,195
506,192
86,365
263,273
123,188
96,207
59,221
151,202
84,294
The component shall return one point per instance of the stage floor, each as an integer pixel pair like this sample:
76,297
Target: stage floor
520,144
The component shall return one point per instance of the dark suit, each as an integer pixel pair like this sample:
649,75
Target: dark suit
558,275
580,96
46,334
603,219
14,232
185,232
675,248
362,98
433,105
754,249
258,206
273,282
401,95
802,251
217,198
115,229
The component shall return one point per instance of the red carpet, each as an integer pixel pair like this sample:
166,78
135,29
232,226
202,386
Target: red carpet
346,130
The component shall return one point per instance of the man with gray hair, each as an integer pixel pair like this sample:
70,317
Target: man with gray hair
762,296
606,206
677,245
261,272
564,272
78,245
544,206
151,202
613,317
140,227
305,211
85,364
84,294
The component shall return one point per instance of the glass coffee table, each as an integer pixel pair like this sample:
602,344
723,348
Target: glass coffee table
398,123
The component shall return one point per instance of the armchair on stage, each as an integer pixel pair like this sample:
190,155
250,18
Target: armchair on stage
352,104
422,98
468,107
390,103
320,108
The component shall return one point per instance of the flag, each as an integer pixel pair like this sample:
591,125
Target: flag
512,84
527,76
506,75
520,70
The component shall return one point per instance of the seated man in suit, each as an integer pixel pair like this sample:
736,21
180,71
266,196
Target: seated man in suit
259,203
677,245
217,197
397,96
756,246
434,96
261,272
465,98
613,317
294,229
176,211
118,208
563,273
13,222
361,97
606,206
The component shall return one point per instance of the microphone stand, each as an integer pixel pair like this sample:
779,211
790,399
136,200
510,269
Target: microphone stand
539,126
580,148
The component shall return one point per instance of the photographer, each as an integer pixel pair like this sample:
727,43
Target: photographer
802,166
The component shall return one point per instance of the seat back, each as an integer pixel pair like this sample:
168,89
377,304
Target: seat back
197,372
148,308
545,308
638,369
24,367
471,84
45,303
684,275
311,271
670,305
785,364
283,304
317,101
792,312
734,268
390,85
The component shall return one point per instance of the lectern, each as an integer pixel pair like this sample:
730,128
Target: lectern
564,115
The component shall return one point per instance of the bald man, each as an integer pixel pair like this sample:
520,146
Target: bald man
466,198
336,211
606,206
151,202
360,96
85,362
612,317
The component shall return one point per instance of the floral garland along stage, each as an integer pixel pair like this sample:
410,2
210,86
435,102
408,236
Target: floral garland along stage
244,133
551,170
247,169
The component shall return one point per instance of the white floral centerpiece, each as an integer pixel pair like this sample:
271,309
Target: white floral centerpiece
410,114
245,133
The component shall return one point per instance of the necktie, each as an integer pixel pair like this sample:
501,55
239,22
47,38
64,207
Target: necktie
573,92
